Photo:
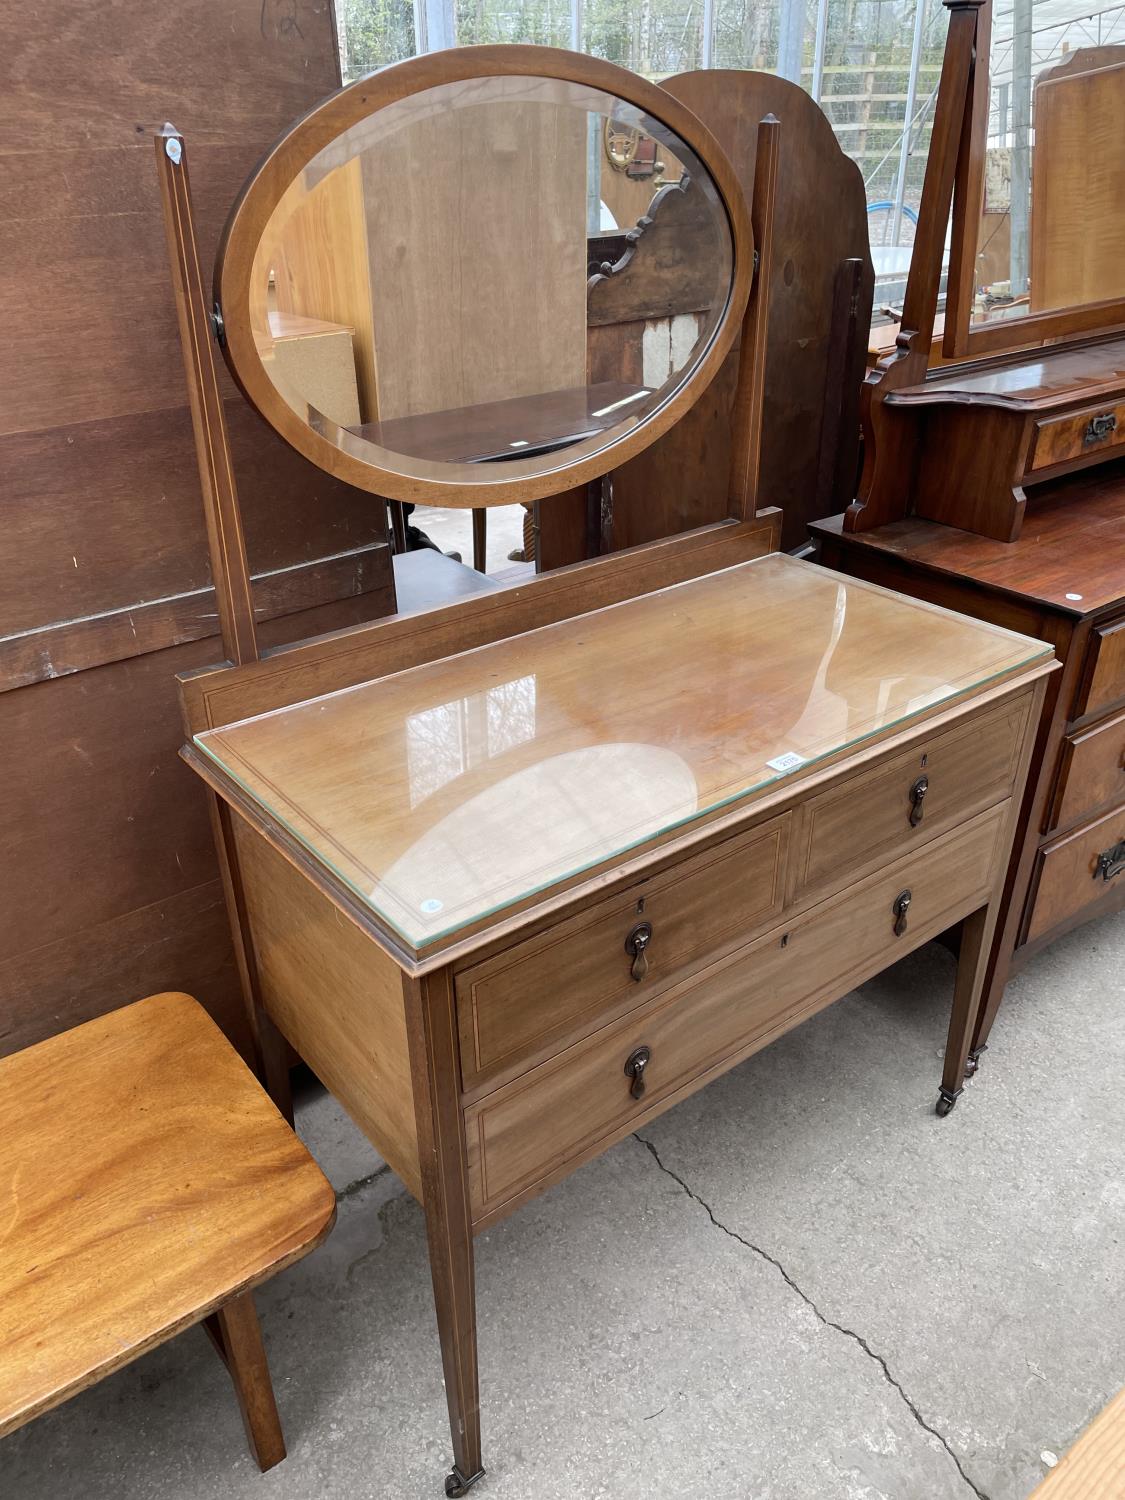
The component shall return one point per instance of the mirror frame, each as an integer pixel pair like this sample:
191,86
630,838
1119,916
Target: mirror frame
1058,324
329,119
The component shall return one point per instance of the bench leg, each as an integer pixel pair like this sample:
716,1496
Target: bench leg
237,1335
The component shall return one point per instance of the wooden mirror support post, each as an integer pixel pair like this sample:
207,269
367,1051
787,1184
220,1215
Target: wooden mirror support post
230,567
747,413
888,456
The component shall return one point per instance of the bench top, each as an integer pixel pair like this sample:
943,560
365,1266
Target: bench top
1094,1469
145,1178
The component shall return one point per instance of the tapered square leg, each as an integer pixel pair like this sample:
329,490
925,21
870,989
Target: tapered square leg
968,995
432,1035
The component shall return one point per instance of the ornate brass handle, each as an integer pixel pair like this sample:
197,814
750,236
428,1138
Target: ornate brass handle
636,946
1112,862
635,1065
917,797
1100,427
900,908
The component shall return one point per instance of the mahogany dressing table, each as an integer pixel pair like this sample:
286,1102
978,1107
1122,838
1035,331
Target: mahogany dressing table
995,483
516,875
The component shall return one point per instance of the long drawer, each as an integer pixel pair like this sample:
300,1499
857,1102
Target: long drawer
903,802
1077,871
526,1133
1092,772
619,952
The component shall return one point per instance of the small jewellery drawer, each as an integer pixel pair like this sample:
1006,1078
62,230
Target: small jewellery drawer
1092,772
535,1128
1103,681
617,953
902,802
1076,871
1094,429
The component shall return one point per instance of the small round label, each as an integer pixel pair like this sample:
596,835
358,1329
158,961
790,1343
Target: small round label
431,905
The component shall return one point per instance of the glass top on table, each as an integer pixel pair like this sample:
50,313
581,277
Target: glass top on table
447,792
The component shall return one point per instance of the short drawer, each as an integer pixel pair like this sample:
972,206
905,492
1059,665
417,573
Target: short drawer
1094,429
515,1003
903,802
1076,871
523,1135
1091,772
1103,680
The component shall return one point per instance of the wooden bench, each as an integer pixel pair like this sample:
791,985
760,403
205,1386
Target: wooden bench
146,1183
1094,1469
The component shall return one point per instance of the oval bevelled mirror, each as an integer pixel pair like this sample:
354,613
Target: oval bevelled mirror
484,274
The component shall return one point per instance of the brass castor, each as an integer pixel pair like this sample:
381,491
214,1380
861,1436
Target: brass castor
972,1062
946,1100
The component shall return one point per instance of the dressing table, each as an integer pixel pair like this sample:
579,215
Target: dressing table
516,875
995,483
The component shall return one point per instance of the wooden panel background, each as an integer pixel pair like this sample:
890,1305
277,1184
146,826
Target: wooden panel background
494,288
110,888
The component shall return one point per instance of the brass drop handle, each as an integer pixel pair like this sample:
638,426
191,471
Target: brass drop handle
636,946
900,909
1100,427
1112,862
917,797
635,1065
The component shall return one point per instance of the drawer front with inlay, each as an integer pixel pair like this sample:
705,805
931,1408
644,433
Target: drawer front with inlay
901,803
619,952
1092,772
1103,682
1076,871
1094,429
571,1106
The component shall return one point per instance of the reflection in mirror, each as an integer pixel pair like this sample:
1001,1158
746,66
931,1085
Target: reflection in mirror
422,294
1052,230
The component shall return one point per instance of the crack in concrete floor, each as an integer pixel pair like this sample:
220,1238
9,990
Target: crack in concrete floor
828,1322
360,1183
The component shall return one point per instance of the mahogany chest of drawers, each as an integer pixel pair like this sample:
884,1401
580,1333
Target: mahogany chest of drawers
1063,580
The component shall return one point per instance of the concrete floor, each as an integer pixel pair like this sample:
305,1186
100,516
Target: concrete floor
801,1285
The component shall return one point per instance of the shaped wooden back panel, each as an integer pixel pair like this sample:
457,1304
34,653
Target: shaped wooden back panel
818,315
